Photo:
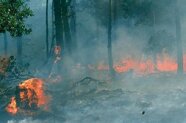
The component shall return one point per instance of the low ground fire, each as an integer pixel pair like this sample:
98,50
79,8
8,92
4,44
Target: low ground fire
163,63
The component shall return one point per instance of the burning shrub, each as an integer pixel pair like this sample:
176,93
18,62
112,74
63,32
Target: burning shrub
29,97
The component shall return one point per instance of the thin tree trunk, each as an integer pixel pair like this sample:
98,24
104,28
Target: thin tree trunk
115,11
19,49
154,55
5,44
47,43
179,41
58,23
154,21
73,26
115,18
110,59
53,32
68,38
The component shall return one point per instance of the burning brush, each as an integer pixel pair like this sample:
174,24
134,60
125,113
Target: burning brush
29,97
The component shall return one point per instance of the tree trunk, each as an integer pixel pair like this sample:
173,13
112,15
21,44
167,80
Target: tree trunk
73,26
154,55
51,52
179,41
47,43
68,38
115,11
58,23
115,18
5,44
19,49
110,59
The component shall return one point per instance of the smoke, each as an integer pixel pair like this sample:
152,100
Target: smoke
31,120
128,40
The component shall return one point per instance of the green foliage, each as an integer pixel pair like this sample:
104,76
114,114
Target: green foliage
12,17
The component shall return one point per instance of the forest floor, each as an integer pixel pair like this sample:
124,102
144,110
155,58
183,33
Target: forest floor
150,99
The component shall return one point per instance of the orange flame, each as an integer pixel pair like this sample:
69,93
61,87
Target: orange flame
31,92
163,63
32,86
12,106
166,64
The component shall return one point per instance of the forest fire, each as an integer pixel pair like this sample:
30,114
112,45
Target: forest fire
163,63
29,96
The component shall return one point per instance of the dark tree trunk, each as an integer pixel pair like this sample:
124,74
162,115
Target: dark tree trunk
47,43
154,21
73,25
115,11
5,44
178,38
51,52
19,49
115,18
110,59
58,23
154,55
65,17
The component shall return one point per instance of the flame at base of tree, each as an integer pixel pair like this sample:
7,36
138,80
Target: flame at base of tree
29,96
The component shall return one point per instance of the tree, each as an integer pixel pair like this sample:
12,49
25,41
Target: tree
153,13
115,10
73,25
58,23
178,38
62,24
13,14
65,17
5,44
110,59
47,43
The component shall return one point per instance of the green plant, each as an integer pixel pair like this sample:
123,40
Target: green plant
12,17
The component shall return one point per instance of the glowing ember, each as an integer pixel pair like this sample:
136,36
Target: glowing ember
29,95
12,106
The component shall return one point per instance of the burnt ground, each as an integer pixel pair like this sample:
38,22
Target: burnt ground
150,99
